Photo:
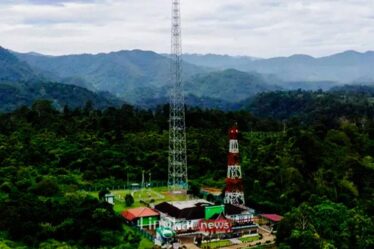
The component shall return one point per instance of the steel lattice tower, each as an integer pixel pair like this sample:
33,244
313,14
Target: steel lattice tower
177,168
234,186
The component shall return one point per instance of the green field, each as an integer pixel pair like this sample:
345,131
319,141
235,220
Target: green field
249,239
157,194
224,243
216,244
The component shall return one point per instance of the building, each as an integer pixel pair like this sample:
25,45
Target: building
270,221
201,216
141,217
211,194
109,198
182,216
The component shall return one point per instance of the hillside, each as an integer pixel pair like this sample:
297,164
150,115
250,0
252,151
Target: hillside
142,77
310,107
367,90
230,85
11,69
218,61
321,173
343,67
222,90
118,72
14,95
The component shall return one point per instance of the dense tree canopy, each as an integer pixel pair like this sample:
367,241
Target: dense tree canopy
290,166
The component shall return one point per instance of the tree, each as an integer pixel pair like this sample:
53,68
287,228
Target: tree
326,225
47,187
194,189
102,194
129,200
210,198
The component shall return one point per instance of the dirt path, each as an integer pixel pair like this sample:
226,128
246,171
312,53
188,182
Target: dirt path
266,237
191,246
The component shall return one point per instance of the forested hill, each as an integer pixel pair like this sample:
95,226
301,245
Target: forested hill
11,69
349,102
17,94
21,85
116,72
345,67
320,174
362,89
222,90
229,85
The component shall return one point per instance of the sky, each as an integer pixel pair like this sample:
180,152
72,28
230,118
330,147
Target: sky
259,28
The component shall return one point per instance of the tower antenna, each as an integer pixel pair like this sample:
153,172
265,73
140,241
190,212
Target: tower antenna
234,186
177,163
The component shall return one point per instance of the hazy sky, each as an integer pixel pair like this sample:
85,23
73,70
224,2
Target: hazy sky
262,28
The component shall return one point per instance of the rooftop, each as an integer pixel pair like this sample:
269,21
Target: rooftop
272,217
195,209
213,191
140,212
190,203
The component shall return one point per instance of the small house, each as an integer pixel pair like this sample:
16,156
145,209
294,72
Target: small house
270,221
141,217
109,198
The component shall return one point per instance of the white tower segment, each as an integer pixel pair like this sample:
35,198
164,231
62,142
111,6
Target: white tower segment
177,168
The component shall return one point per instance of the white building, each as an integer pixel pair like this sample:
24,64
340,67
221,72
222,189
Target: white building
185,216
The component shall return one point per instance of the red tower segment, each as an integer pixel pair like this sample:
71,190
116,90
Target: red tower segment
234,186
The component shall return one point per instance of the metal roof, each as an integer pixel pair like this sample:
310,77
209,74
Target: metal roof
140,212
272,217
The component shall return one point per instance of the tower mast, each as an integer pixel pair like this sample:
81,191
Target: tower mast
234,193
177,163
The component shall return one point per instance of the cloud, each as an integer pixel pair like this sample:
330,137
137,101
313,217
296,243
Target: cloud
45,2
261,28
54,2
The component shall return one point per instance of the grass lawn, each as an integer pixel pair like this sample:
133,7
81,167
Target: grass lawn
249,239
216,244
145,244
158,194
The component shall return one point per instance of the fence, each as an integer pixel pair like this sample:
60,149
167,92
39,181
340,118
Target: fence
112,187
144,233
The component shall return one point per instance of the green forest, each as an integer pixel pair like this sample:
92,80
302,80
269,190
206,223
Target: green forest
306,155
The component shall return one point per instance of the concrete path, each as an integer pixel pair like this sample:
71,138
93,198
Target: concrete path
236,241
191,246
266,237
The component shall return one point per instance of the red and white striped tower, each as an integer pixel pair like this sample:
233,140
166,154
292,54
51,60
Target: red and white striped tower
234,193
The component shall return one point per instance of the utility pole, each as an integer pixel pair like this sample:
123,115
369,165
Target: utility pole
143,185
177,161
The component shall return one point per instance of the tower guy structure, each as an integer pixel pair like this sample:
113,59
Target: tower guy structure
177,165
234,193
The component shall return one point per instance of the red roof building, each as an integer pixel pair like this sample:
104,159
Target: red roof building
272,217
142,216
136,213
270,222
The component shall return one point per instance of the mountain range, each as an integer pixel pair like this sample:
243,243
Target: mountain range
142,77
21,85
345,67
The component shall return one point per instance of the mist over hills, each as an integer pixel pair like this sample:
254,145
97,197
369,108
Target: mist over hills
142,78
21,85
231,85
219,90
15,95
11,69
117,72
345,67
